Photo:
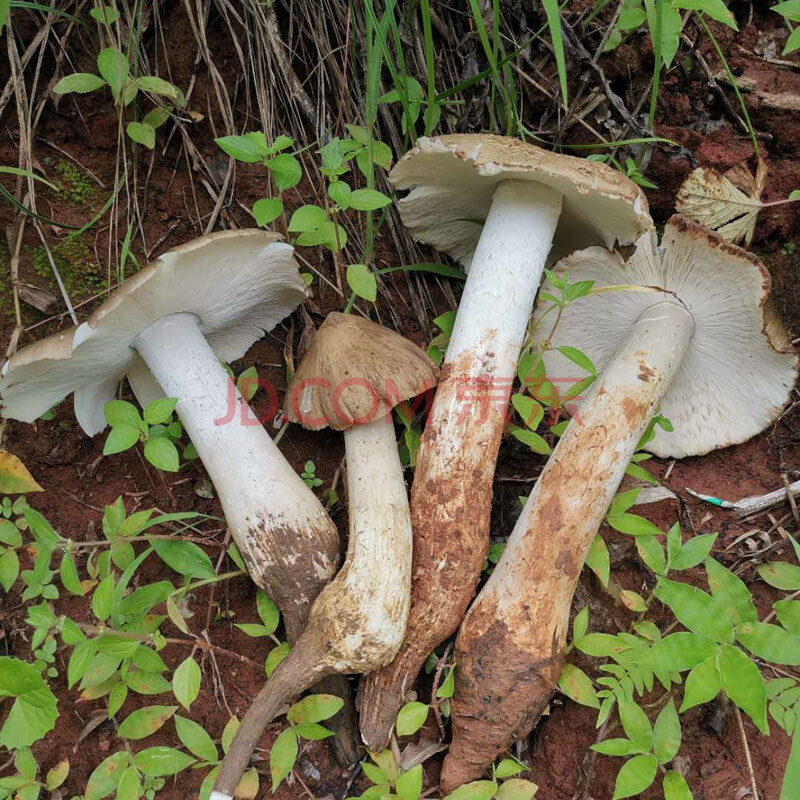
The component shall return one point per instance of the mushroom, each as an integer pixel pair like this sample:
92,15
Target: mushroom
352,375
504,209
706,348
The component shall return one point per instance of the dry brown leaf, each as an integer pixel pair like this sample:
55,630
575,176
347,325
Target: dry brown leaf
14,476
728,204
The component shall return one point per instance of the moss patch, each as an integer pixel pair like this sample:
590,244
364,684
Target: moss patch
75,185
83,277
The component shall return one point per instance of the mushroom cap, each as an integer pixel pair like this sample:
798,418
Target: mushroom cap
238,284
355,372
739,370
454,177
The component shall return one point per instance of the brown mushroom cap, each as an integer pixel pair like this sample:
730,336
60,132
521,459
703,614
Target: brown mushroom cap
355,372
454,177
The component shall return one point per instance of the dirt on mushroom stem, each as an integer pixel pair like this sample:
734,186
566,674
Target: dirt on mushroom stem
510,646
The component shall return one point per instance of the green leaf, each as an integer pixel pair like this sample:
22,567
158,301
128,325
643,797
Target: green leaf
743,683
678,652
162,454
635,723
186,682
148,660
120,438
241,148
129,786
186,558
33,712
695,609
116,698
781,575
533,440
79,661
340,193
80,82
286,171
791,775
635,776
516,789
675,787
282,757
652,553
667,734
633,525
693,551
158,86
106,776
702,684
362,282
409,784
120,412
731,592
576,684
411,718
144,721
113,68
788,612
770,642
275,656
601,644
69,575
104,14
508,767
475,790
315,708
598,559
578,358
530,411
147,683
312,731
103,598
616,747
716,9
368,200
142,133
9,569
795,195
57,775
448,687
158,762
141,600
195,739
307,218
159,411
267,210
9,533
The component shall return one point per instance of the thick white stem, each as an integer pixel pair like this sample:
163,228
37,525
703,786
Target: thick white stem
258,489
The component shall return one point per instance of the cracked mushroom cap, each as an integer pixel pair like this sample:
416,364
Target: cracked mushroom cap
238,284
739,369
453,178
354,373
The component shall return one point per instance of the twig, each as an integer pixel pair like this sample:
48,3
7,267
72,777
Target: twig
740,725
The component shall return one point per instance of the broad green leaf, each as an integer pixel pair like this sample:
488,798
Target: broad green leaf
79,82
475,790
186,682
129,786
275,656
142,133
702,684
509,767
340,193
652,553
282,757
409,784
633,525
693,551
104,14
675,787
362,282
577,685
69,575
411,718
579,358
533,440
144,721
731,592
617,747
635,723
516,789
601,644
162,454
41,529
716,9
678,652
195,739
307,218
788,612
147,683
148,659
57,775
80,659
448,687
267,210
9,569
580,624
743,683
312,731
252,629
120,412
159,411
208,784
15,478
103,598
667,734
781,575
315,708
286,171
241,148
791,775
186,558
141,600
119,439
158,86
113,68
695,609
9,532
116,698
368,200
158,762
106,776
635,776
530,411
103,666
770,642
598,559
231,726
33,712
633,601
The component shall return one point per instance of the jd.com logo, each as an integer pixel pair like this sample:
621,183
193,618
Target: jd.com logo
473,397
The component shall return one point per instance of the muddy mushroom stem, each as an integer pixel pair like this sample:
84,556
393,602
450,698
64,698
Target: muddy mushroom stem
710,353
504,209
352,375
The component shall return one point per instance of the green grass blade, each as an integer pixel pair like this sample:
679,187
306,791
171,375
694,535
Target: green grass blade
552,11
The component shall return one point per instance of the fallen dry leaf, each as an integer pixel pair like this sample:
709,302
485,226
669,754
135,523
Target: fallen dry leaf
728,204
14,476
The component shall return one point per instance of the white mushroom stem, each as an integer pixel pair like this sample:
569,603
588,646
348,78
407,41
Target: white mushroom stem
359,619
452,491
510,646
286,539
